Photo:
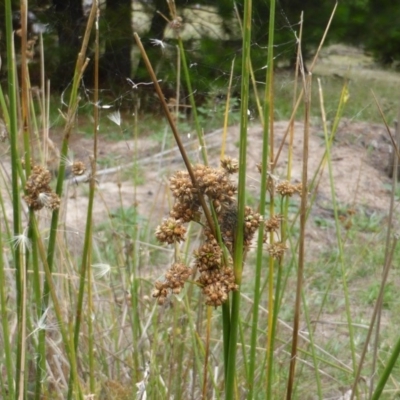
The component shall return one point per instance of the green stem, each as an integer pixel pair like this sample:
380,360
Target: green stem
87,247
387,371
263,192
4,324
41,355
301,254
56,305
13,130
226,327
338,235
238,253
186,73
73,104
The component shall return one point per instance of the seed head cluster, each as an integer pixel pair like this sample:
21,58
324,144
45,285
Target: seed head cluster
285,188
38,191
171,231
273,224
276,250
216,277
175,279
78,168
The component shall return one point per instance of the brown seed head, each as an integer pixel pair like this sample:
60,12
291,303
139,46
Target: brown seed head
276,250
273,224
252,221
175,279
217,284
38,180
285,188
78,168
208,256
230,165
186,211
171,231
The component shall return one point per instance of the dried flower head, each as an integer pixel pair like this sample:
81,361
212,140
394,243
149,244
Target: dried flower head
228,218
217,284
276,250
176,276
38,181
285,188
171,231
38,191
208,256
78,168
175,279
216,277
230,165
273,224
186,211
181,187
49,200
211,182
252,221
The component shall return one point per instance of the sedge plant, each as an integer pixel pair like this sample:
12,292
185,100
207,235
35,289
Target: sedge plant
238,284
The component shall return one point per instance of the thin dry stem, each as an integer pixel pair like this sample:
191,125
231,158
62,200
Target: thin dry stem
303,220
174,131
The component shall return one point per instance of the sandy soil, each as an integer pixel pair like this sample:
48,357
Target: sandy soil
360,156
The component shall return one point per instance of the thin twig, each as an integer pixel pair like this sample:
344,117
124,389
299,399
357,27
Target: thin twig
303,220
175,132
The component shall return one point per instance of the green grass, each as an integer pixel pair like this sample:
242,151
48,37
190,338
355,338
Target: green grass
360,106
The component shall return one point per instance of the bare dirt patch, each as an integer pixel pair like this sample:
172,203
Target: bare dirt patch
360,155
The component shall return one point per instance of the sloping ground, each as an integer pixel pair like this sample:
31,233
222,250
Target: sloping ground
360,155
352,63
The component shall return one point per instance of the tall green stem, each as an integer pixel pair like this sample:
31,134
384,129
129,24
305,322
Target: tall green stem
303,220
338,235
88,231
186,73
13,130
263,192
4,324
387,371
238,253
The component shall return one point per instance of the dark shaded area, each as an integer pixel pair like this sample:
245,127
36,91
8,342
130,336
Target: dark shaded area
69,23
154,53
383,39
116,64
156,31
